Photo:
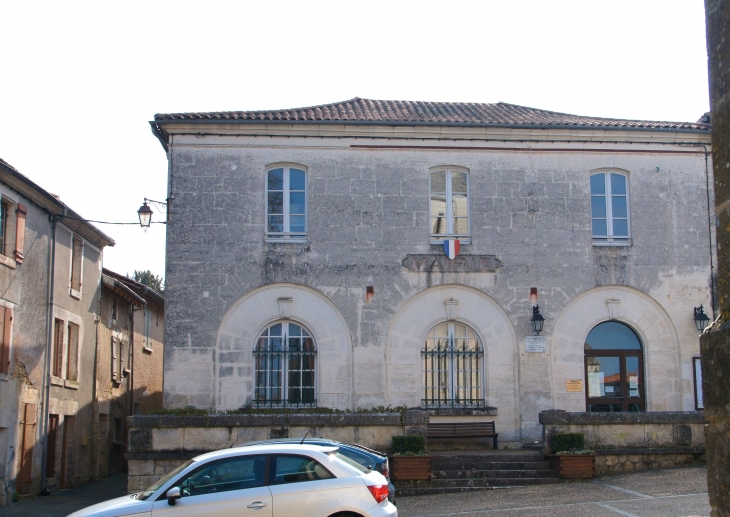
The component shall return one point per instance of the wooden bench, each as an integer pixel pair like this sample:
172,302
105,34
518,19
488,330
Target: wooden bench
462,430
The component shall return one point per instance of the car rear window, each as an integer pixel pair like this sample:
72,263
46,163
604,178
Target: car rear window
352,463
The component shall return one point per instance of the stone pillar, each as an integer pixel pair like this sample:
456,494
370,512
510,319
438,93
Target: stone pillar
715,344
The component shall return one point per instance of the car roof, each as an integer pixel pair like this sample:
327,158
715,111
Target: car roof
362,449
280,448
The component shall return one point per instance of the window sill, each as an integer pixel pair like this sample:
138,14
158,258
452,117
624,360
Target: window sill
603,244
72,385
462,242
147,349
56,381
7,261
4,376
75,294
269,240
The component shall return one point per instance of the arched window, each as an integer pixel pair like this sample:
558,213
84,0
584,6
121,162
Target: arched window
284,364
610,221
452,367
286,203
614,365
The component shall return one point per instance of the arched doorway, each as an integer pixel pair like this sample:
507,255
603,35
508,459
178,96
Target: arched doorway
614,369
452,367
284,367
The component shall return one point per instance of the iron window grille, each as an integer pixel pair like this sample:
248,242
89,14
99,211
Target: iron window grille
452,368
284,362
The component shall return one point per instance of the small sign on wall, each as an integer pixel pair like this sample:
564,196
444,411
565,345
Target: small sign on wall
534,343
574,386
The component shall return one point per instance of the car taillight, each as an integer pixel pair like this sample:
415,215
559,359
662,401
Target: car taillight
380,492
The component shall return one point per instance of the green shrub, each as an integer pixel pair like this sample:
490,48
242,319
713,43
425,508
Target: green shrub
409,445
562,442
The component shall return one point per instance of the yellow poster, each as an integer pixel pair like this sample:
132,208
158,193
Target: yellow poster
574,385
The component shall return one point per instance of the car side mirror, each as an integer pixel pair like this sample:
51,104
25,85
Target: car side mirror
173,495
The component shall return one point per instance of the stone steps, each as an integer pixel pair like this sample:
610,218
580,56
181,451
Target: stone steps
461,472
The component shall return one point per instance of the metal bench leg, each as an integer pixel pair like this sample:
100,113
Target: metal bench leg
494,446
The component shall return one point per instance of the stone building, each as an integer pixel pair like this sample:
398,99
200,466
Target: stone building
306,263
50,266
128,366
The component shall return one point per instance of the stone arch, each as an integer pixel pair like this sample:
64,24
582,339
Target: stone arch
482,314
645,316
255,311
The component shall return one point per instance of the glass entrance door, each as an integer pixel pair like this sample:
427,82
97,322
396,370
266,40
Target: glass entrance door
614,382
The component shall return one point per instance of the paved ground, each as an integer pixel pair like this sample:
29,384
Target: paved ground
63,502
678,492
656,493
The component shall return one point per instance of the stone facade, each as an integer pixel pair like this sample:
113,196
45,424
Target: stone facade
354,286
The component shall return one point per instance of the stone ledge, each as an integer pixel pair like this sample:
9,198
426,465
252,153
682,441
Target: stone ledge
264,420
649,450
558,417
485,411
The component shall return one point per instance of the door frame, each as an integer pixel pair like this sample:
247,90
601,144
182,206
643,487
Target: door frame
622,354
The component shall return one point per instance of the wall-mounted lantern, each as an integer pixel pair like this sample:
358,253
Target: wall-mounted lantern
701,319
537,320
145,212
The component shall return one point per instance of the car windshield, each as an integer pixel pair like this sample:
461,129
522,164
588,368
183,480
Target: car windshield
349,461
164,479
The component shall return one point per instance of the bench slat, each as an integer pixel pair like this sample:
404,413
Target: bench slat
462,430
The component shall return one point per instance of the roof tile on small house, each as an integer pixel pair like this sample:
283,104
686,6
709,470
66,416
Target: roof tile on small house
364,111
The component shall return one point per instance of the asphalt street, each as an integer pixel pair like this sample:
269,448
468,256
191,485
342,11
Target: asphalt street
680,492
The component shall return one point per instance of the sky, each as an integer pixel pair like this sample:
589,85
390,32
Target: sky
80,80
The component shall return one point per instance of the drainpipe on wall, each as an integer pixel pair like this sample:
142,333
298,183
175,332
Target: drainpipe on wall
49,349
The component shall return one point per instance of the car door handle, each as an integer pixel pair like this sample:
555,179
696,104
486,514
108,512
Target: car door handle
256,505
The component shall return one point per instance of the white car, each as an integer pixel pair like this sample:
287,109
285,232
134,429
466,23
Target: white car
262,481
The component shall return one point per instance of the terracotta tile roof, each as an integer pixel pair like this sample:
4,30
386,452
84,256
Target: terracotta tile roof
367,111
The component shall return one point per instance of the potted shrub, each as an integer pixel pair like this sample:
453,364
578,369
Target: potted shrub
409,460
570,459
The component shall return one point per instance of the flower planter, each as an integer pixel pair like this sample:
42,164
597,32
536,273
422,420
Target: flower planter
410,468
574,466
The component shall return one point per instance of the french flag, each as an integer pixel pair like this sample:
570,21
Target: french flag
451,248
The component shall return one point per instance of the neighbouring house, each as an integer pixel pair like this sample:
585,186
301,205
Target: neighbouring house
369,253
128,367
50,267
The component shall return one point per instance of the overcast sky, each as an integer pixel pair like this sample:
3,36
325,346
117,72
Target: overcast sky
79,80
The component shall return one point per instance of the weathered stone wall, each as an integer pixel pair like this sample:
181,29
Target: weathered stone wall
620,463
368,209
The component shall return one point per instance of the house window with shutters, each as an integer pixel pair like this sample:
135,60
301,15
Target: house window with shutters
12,232
77,260
147,341
119,359
72,353
58,343
6,320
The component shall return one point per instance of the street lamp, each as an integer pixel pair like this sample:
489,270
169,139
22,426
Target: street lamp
537,320
145,213
701,319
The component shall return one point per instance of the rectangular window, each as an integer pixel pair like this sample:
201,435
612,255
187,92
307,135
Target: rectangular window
72,371
286,204
147,328
610,209
449,205
58,347
116,360
4,213
6,319
77,253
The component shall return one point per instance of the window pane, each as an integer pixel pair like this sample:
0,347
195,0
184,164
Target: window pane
618,204
276,203
598,206
620,228
459,205
295,330
618,184
276,223
275,330
612,335
224,476
438,204
296,179
276,179
634,376
438,225
296,203
599,227
295,469
598,184
296,223
604,377
461,226
458,182
438,181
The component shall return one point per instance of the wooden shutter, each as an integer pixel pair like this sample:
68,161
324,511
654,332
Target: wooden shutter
21,211
77,258
58,348
26,457
72,369
7,319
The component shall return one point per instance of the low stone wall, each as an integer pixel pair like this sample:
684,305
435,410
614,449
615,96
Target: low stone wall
627,442
158,444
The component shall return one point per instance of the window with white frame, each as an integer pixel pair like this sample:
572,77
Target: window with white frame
452,367
284,364
286,203
449,187
610,221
